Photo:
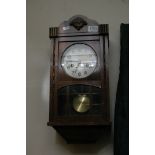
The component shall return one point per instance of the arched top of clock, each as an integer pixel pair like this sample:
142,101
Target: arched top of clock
79,21
78,25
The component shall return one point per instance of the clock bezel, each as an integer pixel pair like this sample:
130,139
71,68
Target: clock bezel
92,42
81,44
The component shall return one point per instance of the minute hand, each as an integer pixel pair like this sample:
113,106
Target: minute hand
77,66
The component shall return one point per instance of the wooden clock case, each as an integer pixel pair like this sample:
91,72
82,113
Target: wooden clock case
72,126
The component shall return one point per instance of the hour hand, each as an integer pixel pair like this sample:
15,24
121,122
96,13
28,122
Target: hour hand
78,64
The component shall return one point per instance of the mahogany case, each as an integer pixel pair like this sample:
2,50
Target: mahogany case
76,127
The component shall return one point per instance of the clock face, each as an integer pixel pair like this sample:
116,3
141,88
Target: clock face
79,61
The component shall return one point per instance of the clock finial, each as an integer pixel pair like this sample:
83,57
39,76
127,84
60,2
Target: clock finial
78,23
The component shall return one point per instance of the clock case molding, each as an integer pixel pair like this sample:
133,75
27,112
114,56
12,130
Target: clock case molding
80,128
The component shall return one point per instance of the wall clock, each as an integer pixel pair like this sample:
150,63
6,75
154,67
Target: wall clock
79,83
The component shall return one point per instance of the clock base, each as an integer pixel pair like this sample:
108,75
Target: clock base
84,134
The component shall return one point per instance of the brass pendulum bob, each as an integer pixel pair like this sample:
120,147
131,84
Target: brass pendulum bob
81,103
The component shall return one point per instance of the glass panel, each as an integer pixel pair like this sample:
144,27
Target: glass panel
80,100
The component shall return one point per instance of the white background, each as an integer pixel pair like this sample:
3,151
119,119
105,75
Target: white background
13,72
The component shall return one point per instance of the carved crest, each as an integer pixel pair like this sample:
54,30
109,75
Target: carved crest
78,23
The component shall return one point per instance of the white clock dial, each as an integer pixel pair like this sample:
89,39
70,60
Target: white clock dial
79,61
